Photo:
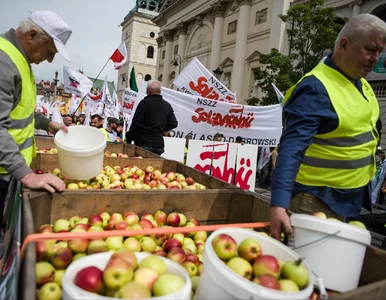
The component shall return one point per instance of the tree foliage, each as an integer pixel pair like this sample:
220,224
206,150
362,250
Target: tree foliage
311,30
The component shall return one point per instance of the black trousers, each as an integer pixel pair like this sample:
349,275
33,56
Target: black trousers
4,185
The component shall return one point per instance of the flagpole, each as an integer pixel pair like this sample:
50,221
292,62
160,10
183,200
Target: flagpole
81,101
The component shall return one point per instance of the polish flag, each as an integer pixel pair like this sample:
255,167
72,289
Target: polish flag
119,56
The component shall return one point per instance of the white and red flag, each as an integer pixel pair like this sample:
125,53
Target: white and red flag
119,56
76,83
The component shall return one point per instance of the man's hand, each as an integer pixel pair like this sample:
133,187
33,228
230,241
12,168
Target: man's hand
48,182
280,222
54,127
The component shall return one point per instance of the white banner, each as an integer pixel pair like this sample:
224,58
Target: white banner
203,118
174,149
195,79
230,162
76,83
128,101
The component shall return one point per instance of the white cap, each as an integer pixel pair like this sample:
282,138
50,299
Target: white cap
55,27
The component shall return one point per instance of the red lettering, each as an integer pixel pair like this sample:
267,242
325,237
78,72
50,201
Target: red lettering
242,180
228,120
203,89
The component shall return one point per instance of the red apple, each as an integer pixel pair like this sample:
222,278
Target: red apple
109,226
146,223
45,272
46,228
159,238
266,264
121,225
224,246
192,258
171,176
90,279
131,218
44,250
61,258
171,243
78,245
194,221
95,220
81,226
160,217
173,219
39,171
268,281
116,217
177,254
189,180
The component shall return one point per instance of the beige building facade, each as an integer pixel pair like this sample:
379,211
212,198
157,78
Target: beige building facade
140,35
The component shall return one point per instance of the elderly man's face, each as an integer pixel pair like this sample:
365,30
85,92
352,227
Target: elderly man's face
41,49
360,57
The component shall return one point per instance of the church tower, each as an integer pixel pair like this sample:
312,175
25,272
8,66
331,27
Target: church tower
140,35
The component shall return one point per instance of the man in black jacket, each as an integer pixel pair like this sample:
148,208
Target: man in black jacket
152,118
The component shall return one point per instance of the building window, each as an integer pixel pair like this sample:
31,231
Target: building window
163,54
232,27
152,6
150,52
143,4
152,34
261,16
175,49
147,77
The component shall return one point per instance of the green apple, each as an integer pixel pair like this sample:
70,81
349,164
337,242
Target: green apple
78,255
153,262
133,290
59,276
358,224
51,291
132,244
44,272
200,236
146,277
167,283
117,273
249,249
195,281
97,246
147,244
287,285
224,246
295,271
114,242
191,268
241,266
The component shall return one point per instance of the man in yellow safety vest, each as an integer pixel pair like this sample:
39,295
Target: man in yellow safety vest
38,38
327,149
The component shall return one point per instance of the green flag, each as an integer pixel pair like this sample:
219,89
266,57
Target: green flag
133,81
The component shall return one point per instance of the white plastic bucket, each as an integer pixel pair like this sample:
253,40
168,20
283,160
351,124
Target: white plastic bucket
220,282
100,260
80,151
334,250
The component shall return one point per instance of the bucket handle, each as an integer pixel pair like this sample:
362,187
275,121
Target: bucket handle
320,284
318,240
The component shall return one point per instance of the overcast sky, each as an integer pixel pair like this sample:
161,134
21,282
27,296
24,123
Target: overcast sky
95,32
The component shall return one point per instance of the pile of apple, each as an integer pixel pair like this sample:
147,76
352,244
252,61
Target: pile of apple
54,256
132,177
247,260
322,215
113,154
107,153
124,277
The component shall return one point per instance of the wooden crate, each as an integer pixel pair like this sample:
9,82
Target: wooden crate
213,207
129,149
48,162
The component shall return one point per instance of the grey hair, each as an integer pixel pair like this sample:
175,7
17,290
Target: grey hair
27,24
153,87
360,27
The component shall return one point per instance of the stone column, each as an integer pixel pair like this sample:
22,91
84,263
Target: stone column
356,7
215,55
168,34
181,30
159,53
237,79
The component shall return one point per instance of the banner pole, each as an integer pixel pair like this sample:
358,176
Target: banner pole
81,101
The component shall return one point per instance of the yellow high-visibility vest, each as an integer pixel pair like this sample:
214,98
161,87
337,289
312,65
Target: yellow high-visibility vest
22,116
345,157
